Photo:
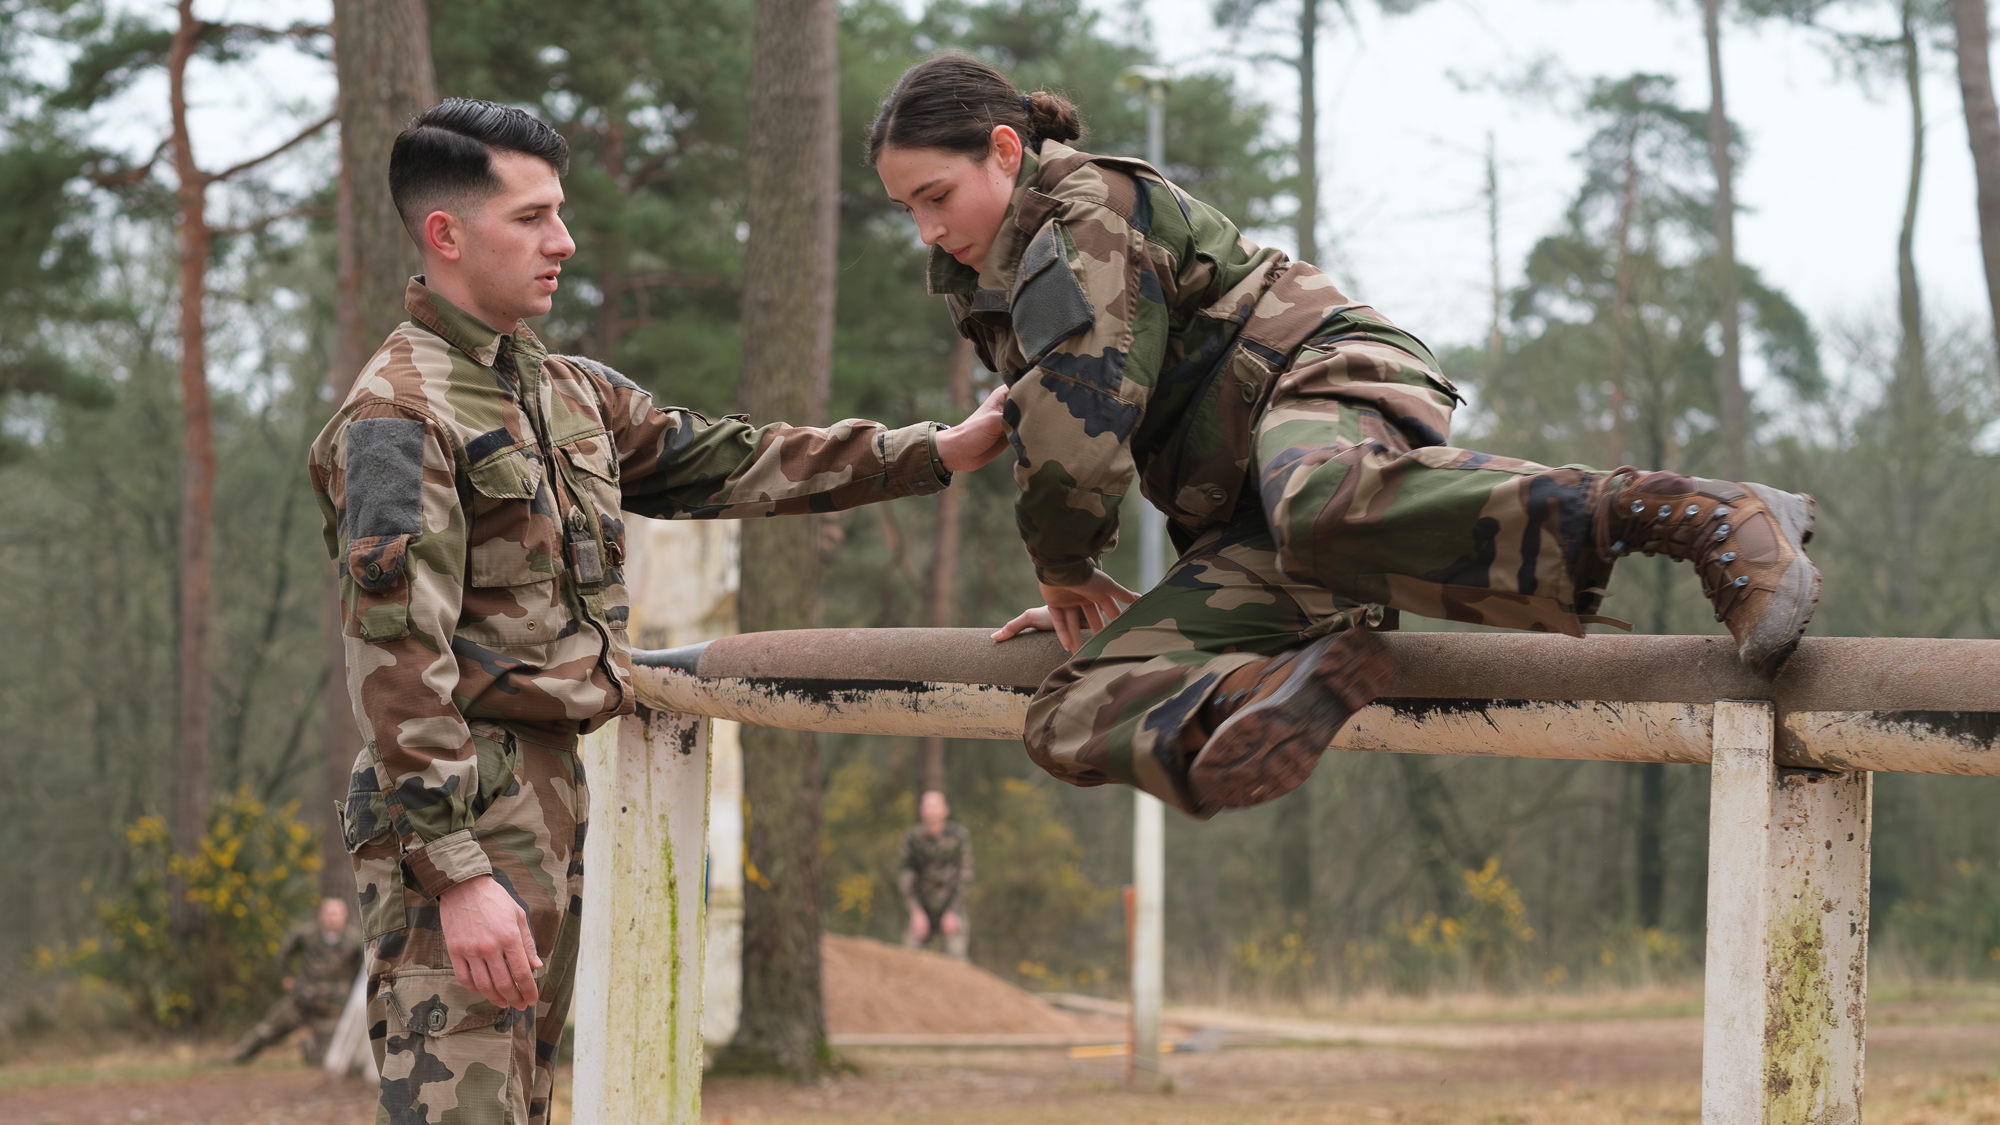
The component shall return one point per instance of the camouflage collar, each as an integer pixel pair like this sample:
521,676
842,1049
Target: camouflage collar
946,276
464,331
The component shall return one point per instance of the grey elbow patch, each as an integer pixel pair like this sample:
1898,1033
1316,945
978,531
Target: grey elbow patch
385,477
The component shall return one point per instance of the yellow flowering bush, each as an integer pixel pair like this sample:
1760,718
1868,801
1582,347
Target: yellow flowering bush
249,880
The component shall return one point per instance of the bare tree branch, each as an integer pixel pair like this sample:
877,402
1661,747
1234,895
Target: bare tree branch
132,175
259,226
279,151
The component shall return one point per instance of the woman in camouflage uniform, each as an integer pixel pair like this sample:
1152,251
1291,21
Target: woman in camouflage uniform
1296,440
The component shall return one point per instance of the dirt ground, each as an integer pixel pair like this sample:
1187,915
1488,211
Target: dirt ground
1934,1061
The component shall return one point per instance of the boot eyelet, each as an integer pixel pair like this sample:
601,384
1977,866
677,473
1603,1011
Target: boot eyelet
1742,581
1693,510
1618,548
1722,513
1718,617
1729,556
1722,533
1666,511
1638,506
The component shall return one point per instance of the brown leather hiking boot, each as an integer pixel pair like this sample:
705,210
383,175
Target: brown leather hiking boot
1746,540
1267,723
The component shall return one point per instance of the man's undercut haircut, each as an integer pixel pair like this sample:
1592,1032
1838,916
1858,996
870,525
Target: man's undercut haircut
444,160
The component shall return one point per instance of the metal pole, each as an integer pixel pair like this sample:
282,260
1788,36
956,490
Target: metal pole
1148,814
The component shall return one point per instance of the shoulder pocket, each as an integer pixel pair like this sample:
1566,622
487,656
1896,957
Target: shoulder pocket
1049,304
378,601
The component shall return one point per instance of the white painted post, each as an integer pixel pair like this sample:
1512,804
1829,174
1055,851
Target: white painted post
1149,883
639,973
1785,1018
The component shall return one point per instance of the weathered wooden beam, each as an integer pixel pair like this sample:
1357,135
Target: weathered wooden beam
1917,705
1785,1011
639,971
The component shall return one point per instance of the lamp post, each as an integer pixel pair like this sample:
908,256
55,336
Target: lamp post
1148,814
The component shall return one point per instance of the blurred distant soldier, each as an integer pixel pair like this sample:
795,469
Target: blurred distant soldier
328,952
937,867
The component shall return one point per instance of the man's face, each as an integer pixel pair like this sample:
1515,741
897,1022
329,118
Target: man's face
506,251
332,915
932,811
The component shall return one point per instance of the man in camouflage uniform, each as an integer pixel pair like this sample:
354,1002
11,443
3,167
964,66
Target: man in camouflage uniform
328,951
1297,442
935,871
471,486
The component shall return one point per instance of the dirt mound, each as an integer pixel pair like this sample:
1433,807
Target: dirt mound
872,988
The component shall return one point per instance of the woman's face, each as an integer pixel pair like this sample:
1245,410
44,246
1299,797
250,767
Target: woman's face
958,203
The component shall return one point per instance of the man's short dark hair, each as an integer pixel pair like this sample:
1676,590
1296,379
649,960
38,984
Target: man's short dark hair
444,160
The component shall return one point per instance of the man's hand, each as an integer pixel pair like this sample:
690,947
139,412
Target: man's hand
950,924
920,927
1071,609
977,440
486,934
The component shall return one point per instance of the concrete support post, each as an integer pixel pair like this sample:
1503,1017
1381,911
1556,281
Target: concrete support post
1149,884
1785,1018
639,977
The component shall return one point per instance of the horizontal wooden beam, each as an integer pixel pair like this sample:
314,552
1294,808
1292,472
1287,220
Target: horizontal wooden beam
1845,703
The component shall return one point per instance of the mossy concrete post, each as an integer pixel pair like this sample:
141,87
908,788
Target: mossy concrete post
639,976
1785,1016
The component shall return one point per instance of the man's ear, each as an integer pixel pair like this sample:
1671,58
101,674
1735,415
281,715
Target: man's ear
444,236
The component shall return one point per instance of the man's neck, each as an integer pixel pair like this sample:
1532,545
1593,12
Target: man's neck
453,288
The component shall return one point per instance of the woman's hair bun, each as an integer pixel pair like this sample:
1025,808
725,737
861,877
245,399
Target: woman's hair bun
1053,117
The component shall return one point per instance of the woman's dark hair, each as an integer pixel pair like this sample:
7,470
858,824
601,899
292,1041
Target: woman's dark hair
444,159
953,101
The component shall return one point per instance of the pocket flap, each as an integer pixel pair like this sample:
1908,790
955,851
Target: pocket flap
1049,304
376,563
595,456
508,475
432,1002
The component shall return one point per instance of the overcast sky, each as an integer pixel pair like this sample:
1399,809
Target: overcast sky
1402,142
1822,188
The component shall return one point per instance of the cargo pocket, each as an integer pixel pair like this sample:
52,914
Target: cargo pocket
371,843
431,1003
513,558
378,606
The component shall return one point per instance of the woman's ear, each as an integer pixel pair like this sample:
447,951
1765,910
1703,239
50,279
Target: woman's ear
1005,149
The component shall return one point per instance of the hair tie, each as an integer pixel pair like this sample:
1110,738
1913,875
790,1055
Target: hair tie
1028,107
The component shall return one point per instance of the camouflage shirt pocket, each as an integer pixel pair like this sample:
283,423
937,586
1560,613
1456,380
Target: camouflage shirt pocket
511,543
378,605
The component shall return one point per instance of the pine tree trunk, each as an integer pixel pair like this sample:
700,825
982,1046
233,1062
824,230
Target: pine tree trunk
1308,217
382,55
1912,390
940,583
788,290
1732,405
1982,127
197,475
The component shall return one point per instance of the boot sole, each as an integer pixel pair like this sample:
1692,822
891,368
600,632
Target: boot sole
1777,634
1270,747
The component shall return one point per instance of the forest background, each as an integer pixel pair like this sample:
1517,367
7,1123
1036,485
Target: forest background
1612,342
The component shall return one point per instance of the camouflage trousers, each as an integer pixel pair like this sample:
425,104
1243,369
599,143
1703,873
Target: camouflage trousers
955,945
447,1055
290,1013
1362,508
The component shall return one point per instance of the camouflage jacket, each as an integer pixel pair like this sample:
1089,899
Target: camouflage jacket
935,870
471,487
326,970
1141,334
